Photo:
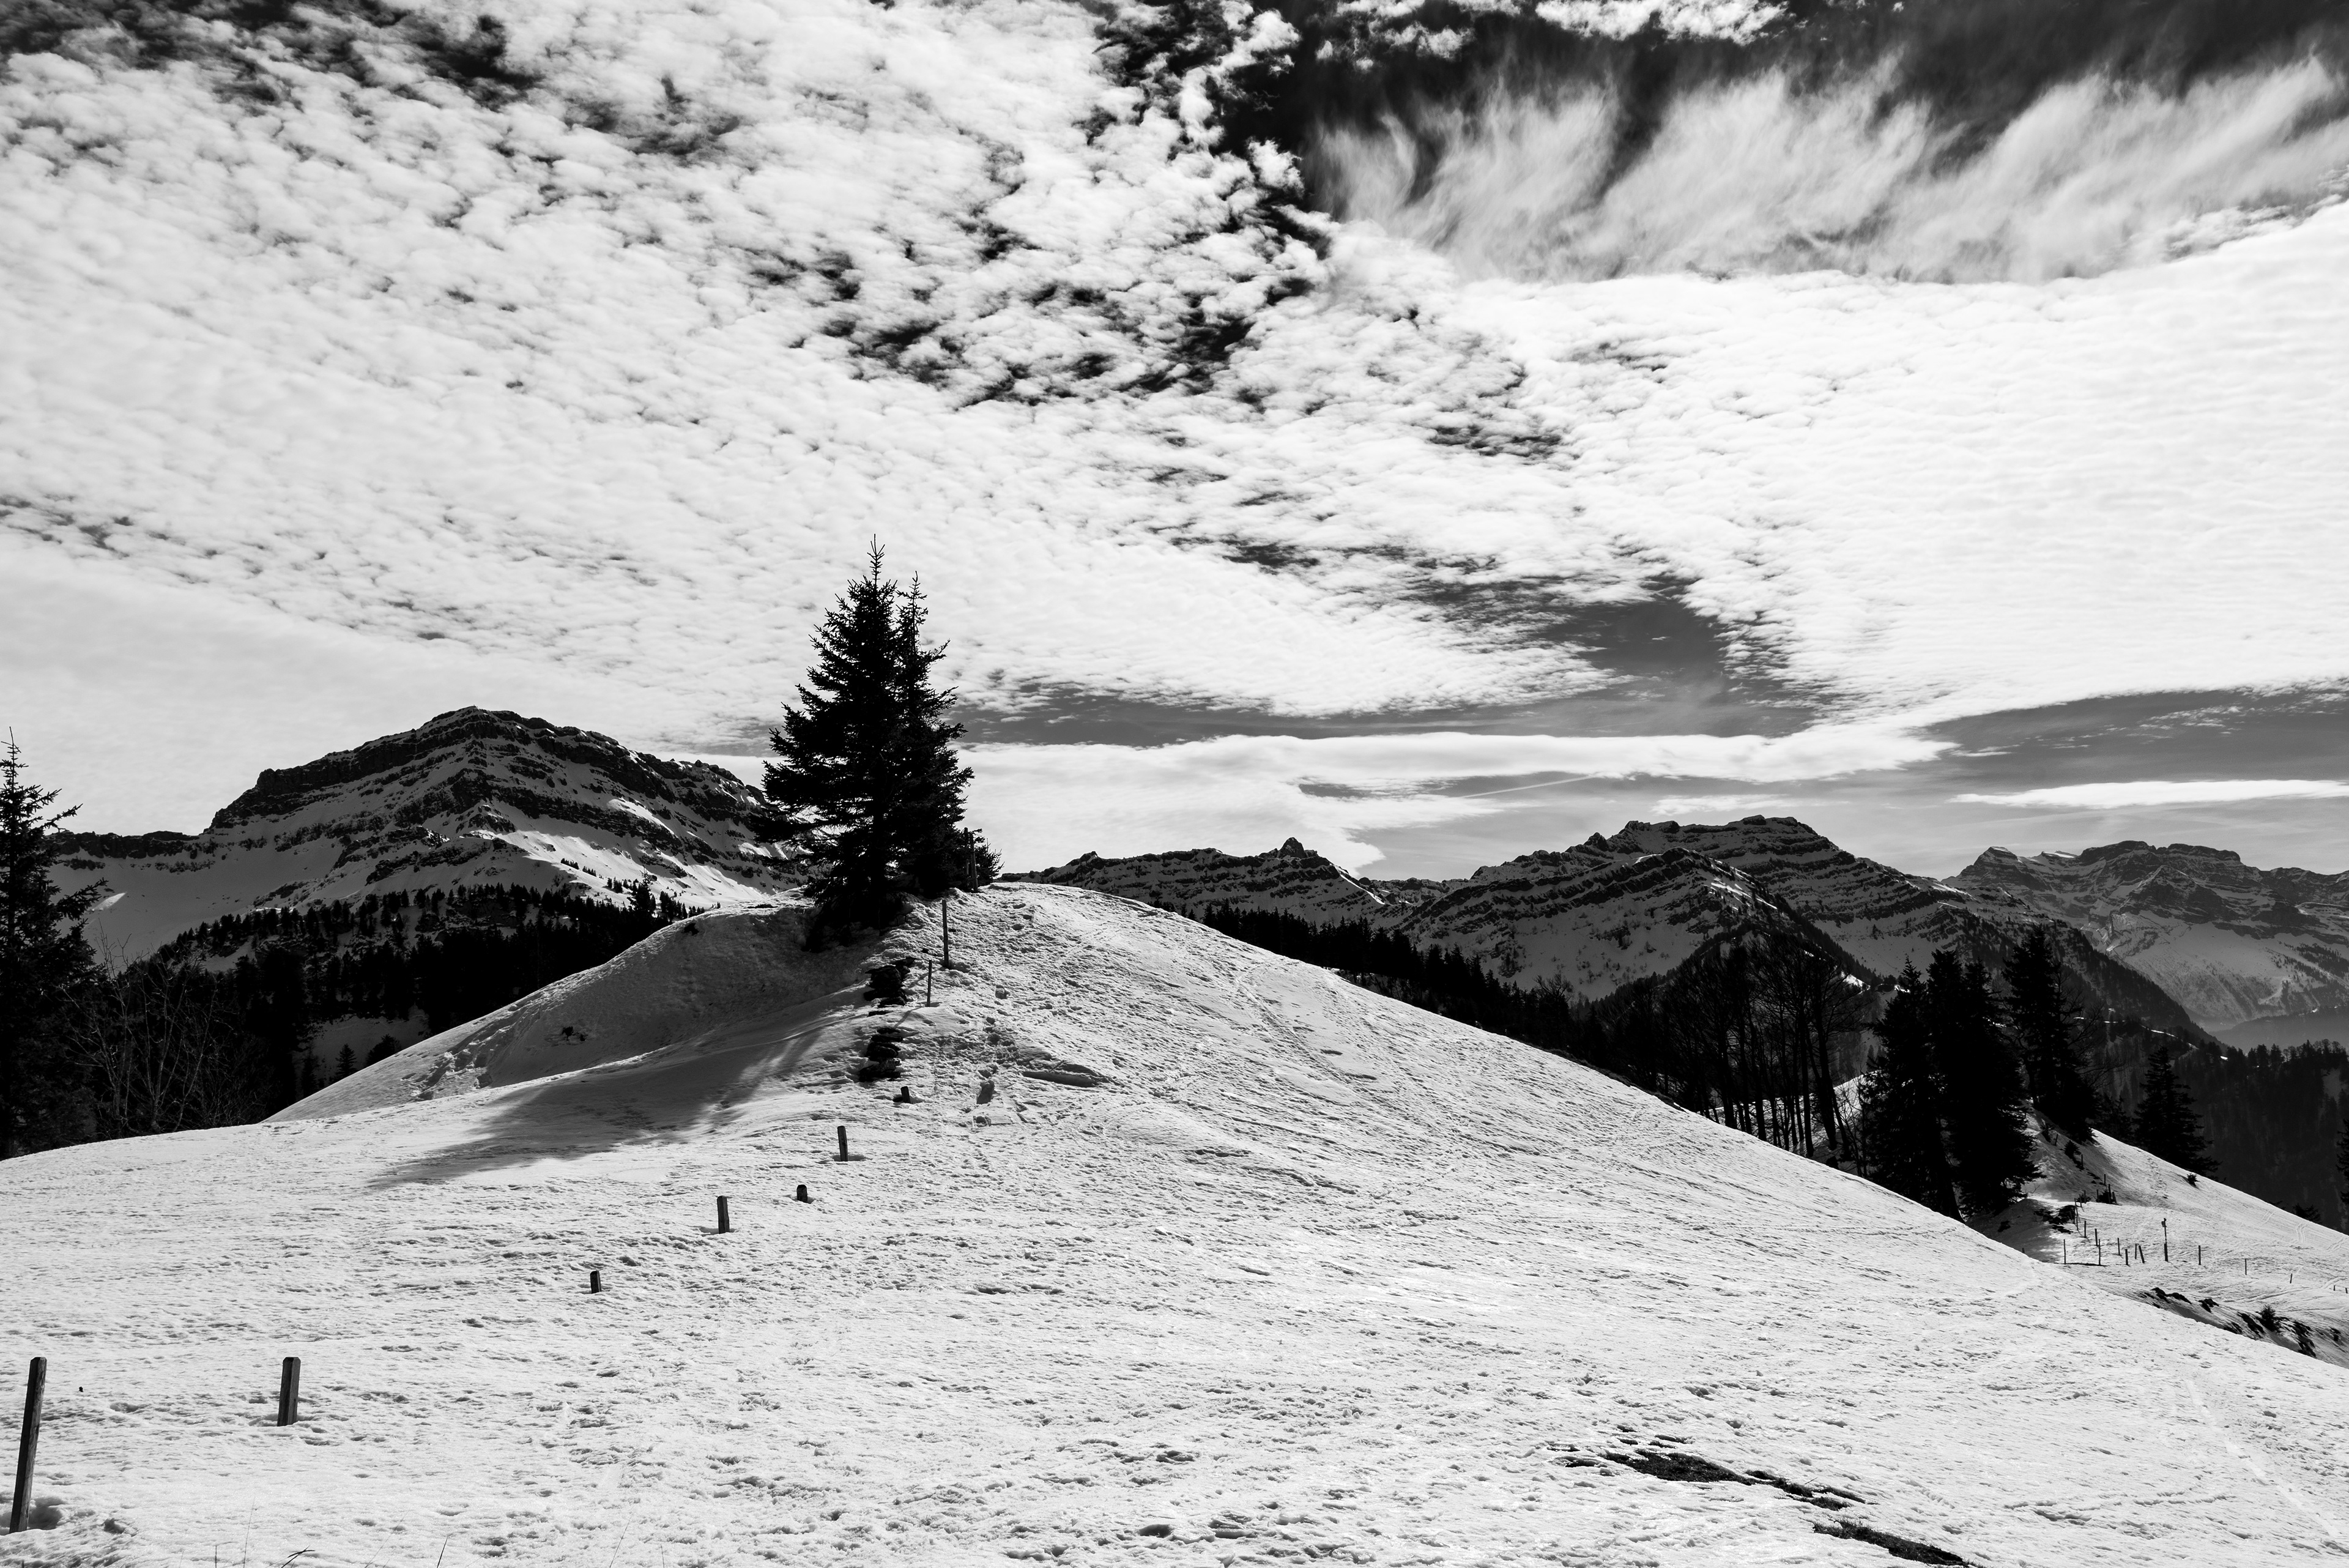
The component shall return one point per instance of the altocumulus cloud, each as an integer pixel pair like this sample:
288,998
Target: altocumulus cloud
613,375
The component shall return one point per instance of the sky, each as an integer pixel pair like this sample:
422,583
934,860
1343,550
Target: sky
1461,476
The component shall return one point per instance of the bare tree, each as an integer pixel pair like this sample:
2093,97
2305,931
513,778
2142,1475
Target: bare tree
162,1048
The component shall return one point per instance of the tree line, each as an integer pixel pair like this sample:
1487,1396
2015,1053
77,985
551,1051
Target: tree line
218,1025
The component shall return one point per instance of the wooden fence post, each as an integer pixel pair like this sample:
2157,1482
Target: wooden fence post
725,1219
595,1281
843,1143
289,1391
36,1378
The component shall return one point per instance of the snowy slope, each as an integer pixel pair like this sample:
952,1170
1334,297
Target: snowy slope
1303,1274
470,798
2210,1253
2236,944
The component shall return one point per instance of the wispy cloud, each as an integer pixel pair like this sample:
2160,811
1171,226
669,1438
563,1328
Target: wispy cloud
2163,792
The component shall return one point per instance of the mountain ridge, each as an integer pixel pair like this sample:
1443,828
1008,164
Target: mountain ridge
471,798
1880,919
2238,945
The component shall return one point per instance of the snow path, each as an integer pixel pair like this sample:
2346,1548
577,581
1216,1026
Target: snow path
1312,1275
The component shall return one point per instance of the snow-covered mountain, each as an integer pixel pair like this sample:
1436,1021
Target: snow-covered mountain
1588,920
1291,879
472,799
1611,910
1180,1253
1595,922
2254,955
1886,918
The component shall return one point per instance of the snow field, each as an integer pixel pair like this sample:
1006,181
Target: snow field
1308,1274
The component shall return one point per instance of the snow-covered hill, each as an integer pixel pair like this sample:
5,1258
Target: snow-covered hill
1182,1254
470,799
2141,1227
2257,956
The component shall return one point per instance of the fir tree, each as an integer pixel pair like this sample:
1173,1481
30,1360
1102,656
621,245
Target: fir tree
2167,1126
1982,1106
868,776
44,959
2046,1028
2341,1167
1899,1105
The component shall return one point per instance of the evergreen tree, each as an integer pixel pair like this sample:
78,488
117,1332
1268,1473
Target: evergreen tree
2341,1167
1982,1106
1899,1105
44,959
2047,1032
868,776
2167,1126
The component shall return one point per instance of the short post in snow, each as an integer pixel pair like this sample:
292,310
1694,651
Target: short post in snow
930,974
36,1378
801,1195
725,1219
595,1281
843,1142
289,1391
2165,1241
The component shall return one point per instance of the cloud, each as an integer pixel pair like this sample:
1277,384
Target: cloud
2164,792
1043,804
1775,174
601,391
1715,806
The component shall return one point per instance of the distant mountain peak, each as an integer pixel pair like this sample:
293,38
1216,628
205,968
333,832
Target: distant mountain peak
471,797
2236,945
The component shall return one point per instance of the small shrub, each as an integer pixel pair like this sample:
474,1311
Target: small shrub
881,1055
886,985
